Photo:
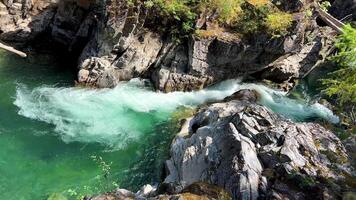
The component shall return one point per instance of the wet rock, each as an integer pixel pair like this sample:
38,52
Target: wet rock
253,153
243,95
146,191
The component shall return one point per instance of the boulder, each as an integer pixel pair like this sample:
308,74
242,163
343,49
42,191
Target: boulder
243,95
255,154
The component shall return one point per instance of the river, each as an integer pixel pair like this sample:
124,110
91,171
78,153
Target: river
50,130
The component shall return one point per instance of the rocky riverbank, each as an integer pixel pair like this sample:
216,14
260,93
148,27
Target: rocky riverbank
129,47
252,153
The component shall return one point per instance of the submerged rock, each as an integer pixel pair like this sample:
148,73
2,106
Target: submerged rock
253,153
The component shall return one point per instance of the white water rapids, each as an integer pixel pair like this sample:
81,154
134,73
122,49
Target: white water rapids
114,117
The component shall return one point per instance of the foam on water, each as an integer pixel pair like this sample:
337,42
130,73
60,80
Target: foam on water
294,109
115,117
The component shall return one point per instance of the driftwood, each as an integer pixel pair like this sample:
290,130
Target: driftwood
13,50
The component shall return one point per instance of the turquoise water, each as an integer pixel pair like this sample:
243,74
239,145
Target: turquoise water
49,129
36,160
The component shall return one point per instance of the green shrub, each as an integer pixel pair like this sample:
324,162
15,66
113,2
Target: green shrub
278,23
178,12
252,18
178,17
261,16
228,10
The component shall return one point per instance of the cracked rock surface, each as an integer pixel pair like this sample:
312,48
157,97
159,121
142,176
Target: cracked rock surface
255,154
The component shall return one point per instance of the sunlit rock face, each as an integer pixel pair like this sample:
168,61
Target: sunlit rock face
114,42
254,153
128,46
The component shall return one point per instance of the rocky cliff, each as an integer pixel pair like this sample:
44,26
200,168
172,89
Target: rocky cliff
129,47
118,41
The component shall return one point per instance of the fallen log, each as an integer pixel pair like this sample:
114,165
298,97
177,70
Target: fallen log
13,50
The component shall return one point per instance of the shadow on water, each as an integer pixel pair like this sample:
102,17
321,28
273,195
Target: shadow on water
310,87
